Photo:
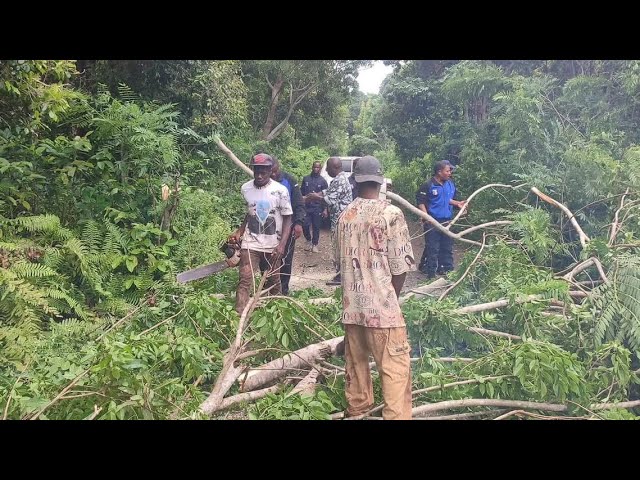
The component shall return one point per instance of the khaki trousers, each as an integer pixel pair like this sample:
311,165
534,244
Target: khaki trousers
249,263
390,350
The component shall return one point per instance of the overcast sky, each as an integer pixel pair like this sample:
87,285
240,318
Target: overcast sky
370,79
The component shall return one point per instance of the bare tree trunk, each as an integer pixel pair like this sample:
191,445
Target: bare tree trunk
276,91
293,103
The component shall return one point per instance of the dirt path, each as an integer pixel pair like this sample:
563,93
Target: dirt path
315,269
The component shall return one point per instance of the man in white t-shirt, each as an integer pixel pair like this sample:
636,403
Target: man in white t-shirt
265,229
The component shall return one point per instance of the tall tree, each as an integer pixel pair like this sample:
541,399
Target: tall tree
279,88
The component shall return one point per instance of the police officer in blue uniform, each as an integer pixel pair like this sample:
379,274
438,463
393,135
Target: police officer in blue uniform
436,197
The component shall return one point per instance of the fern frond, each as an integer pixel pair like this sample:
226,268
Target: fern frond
26,270
127,94
47,223
92,236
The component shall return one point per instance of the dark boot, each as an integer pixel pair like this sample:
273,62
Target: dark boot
337,280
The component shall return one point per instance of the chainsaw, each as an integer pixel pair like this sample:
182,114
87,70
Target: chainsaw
231,251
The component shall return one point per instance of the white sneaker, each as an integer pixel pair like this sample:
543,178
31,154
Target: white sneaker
308,246
314,249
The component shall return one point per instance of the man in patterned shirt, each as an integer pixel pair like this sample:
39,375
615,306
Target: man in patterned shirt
337,196
375,255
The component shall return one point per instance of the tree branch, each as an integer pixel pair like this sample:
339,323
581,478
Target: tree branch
615,226
444,294
232,156
398,199
583,236
470,197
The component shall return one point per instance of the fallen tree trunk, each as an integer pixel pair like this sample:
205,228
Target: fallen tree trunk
299,360
307,385
423,410
516,404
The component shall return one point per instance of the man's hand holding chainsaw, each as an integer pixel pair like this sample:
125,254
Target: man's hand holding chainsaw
235,237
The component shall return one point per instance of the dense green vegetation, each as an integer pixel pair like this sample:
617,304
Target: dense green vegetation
93,324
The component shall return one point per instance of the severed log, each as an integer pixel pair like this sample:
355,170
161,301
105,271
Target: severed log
299,360
464,416
616,225
246,397
432,289
423,410
307,385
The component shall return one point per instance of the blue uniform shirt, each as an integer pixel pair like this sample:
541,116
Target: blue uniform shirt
436,198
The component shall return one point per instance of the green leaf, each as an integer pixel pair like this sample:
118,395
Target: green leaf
132,263
117,261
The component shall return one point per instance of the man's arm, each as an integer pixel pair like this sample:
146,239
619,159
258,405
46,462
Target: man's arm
453,201
235,237
398,281
297,202
422,199
399,250
335,191
279,251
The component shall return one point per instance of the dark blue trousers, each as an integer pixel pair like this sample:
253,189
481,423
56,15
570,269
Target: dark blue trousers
312,224
438,251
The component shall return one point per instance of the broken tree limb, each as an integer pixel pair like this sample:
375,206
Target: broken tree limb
578,268
425,290
230,372
524,413
307,385
483,307
515,404
484,225
484,331
299,360
470,197
462,277
600,270
232,156
583,236
609,406
398,199
464,416
247,397
432,389
485,402
616,225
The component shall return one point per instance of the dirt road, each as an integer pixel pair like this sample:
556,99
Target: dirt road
315,269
